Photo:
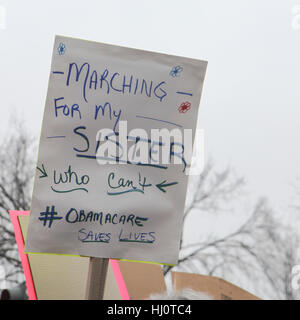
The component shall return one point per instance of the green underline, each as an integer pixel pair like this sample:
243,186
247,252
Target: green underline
121,192
65,191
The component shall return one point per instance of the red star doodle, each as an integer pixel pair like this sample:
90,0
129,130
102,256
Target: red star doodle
184,107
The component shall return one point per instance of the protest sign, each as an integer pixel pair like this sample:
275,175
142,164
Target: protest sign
115,152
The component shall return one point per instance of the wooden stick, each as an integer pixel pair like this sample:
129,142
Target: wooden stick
96,278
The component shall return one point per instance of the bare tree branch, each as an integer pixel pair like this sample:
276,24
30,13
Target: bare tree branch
258,249
17,153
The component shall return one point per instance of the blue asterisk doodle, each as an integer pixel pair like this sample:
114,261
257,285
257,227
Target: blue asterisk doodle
175,72
61,49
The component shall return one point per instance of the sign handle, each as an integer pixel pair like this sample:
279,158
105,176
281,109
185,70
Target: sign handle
96,278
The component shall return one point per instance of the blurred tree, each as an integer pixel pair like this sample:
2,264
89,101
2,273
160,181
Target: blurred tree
17,155
260,251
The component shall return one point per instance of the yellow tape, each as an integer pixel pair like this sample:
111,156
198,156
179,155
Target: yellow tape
56,254
120,259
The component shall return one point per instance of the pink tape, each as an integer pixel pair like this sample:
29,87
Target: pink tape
120,280
24,258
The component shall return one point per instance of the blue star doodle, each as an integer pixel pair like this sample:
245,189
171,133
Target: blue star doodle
61,49
175,72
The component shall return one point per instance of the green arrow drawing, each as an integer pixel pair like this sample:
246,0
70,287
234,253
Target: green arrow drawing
163,185
43,172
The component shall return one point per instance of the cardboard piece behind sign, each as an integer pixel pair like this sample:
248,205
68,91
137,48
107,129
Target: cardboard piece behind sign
142,279
60,277
217,288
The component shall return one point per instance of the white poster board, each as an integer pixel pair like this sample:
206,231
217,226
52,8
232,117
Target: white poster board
132,207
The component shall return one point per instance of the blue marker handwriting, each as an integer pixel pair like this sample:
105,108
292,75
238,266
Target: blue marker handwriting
140,237
73,111
62,108
92,236
84,149
109,82
79,215
112,113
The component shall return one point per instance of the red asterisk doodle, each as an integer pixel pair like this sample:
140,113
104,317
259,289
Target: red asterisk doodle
184,107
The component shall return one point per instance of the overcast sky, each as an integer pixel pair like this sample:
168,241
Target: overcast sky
250,104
